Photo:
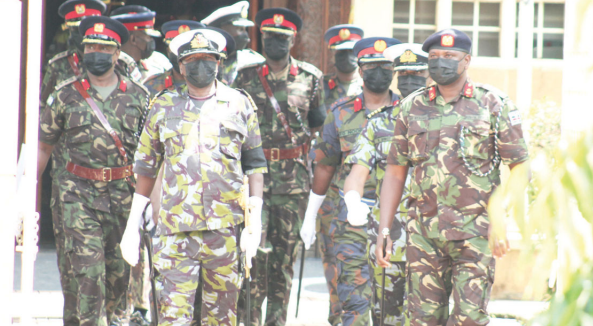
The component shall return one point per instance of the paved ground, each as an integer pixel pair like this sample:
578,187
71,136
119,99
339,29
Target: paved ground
46,303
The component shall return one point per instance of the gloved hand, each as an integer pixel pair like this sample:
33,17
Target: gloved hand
148,221
308,228
358,211
130,242
250,241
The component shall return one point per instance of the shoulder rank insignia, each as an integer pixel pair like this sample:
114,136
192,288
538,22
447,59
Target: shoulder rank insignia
357,104
432,93
468,90
58,57
341,101
331,83
139,84
66,82
168,81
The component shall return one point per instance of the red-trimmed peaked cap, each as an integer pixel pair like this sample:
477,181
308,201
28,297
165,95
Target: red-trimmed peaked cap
103,30
371,49
74,10
278,20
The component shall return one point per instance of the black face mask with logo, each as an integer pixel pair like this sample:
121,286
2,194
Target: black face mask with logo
410,83
444,71
346,61
276,48
97,63
200,73
150,47
377,80
241,41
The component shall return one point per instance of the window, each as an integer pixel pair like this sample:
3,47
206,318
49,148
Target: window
414,20
548,29
480,19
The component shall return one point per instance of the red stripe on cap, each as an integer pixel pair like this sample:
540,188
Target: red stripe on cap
171,34
139,25
366,51
338,38
87,12
106,32
285,23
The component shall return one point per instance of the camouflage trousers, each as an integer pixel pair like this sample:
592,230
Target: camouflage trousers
330,269
92,240
354,278
179,258
67,280
273,270
434,266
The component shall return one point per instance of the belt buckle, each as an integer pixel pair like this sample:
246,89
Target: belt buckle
277,151
105,179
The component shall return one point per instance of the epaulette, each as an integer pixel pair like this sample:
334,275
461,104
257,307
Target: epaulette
153,100
377,112
66,82
250,65
342,101
310,69
414,93
493,90
140,85
58,57
244,92
248,57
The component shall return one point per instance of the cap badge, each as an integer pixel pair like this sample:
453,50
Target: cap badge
80,9
408,56
199,41
183,29
278,19
99,27
244,12
344,33
380,46
447,40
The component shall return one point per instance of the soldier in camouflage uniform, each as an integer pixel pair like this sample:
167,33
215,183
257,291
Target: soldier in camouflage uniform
60,68
233,20
296,93
94,186
454,136
347,118
207,139
139,57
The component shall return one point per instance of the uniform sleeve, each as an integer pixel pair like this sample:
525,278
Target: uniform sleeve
149,154
364,152
327,149
252,154
317,110
47,86
511,144
398,153
51,122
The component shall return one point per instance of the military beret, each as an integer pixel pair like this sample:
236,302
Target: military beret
103,30
343,37
138,21
448,39
407,56
278,20
371,49
175,27
230,41
235,14
73,11
198,41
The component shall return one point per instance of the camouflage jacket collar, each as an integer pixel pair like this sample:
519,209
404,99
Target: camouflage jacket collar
466,91
359,102
223,93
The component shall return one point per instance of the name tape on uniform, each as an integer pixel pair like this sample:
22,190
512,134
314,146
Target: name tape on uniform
515,117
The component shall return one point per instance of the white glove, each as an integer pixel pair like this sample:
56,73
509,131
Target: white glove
308,228
358,211
250,241
148,221
130,242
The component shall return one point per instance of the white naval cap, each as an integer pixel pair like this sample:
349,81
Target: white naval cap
198,41
407,56
235,14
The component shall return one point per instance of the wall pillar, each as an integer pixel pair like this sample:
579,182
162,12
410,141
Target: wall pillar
525,54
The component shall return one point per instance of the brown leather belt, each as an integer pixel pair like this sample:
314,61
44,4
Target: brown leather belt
277,154
104,174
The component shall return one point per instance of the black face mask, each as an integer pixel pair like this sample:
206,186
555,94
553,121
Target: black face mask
150,47
377,80
241,41
346,61
97,63
410,83
200,73
173,59
444,71
75,39
276,48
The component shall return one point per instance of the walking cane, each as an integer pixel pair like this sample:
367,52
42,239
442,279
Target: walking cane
244,202
385,233
300,280
148,243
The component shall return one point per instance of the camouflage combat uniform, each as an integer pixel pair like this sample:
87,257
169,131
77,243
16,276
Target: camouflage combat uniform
205,152
94,212
371,151
347,118
157,83
298,89
333,90
227,72
58,70
447,219
156,64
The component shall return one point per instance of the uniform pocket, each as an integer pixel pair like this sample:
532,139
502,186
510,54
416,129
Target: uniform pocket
232,137
298,109
418,140
476,139
78,126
